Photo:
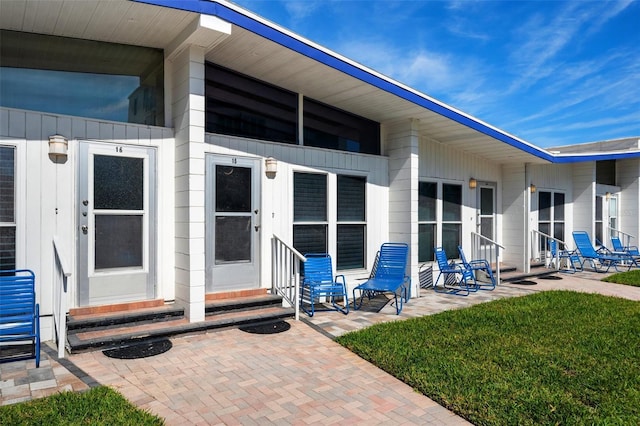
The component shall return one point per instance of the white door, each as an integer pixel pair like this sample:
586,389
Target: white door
232,223
116,223
487,211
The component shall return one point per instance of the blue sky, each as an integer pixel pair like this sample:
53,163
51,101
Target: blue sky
550,72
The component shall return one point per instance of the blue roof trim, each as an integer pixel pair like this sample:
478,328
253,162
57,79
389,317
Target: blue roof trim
216,9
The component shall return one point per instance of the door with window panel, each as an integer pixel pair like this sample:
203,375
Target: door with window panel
232,223
116,223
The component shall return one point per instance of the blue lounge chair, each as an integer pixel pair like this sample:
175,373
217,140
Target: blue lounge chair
570,257
599,260
455,277
319,282
618,247
387,276
479,265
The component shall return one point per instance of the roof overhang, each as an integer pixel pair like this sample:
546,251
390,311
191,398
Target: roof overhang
259,48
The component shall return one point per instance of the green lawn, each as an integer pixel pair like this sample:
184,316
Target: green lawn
98,406
550,358
627,278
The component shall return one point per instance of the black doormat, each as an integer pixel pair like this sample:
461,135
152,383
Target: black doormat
550,277
525,282
266,327
140,350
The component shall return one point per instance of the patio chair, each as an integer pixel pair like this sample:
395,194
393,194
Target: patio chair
479,265
618,247
589,253
387,276
319,282
455,277
570,258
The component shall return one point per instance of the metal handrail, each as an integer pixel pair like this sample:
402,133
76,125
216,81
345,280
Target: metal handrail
485,248
60,290
285,272
627,236
535,240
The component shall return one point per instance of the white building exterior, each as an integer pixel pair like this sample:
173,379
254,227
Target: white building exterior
180,229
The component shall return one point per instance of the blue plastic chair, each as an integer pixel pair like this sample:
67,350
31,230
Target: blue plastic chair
319,282
571,258
589,253
387,276
618,247
456,278
479,265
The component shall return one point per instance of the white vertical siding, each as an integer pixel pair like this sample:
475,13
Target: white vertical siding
277,193
515,205
47,196
584,193
628,172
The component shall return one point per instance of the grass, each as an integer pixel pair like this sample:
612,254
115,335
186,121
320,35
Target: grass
98,406
627,278
550,358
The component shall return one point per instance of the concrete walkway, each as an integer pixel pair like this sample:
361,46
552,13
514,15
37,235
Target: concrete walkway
296,377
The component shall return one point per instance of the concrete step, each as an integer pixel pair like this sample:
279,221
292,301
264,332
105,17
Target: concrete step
111,330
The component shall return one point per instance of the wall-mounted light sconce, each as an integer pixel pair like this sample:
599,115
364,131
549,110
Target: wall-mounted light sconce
607,196
271,167
58,148
473,183
532,188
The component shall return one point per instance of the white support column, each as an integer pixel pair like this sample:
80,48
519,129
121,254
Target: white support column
402,144
188,118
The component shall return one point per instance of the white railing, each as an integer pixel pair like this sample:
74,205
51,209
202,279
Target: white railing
285,272
60,290
541,251
625,238
485,248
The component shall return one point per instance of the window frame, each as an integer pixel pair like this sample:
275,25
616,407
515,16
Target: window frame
18,202
362,223
552,222
440,222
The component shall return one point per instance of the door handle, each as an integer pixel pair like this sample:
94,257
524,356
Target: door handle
257,228
85,229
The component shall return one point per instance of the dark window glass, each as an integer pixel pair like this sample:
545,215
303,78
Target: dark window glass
118,183
599,208
558,231
233,189
118,241
239,105
426,242
451,202
309,197
606,172
351,198
451,233
84,78
233,239
310,238
7,248
486,227
351,243
545,228
7,184
544,205
558,206
486,201
427,195
329,127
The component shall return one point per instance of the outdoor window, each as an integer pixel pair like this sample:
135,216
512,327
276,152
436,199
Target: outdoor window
613,213
328,127
439,219
7,208
83,78
351,227
239,105
310,212
551,215
427,196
